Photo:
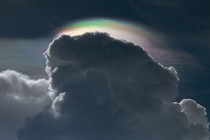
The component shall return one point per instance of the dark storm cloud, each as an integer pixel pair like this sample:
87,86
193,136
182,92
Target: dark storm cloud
20,97
184,23
108,89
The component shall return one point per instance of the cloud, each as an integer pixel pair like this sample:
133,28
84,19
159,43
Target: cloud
105,88
20,97
194,111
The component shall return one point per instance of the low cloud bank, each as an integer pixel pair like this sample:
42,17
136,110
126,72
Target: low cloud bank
20,97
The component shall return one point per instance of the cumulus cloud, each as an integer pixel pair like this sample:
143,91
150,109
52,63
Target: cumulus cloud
105,88
20,97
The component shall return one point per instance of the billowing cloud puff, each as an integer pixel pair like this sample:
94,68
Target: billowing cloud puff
107,89
20,97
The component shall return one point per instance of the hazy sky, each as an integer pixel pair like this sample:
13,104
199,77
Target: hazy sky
175,33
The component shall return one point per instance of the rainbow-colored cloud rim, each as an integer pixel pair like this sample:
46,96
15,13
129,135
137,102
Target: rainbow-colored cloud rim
119,29
138,34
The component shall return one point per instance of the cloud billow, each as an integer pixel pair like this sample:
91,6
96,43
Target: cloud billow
105,88
20,97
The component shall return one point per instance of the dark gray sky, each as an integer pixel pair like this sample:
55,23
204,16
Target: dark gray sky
28,26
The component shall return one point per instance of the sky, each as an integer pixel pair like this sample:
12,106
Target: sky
156,87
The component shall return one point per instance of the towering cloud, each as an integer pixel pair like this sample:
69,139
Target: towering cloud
109,89
20,97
